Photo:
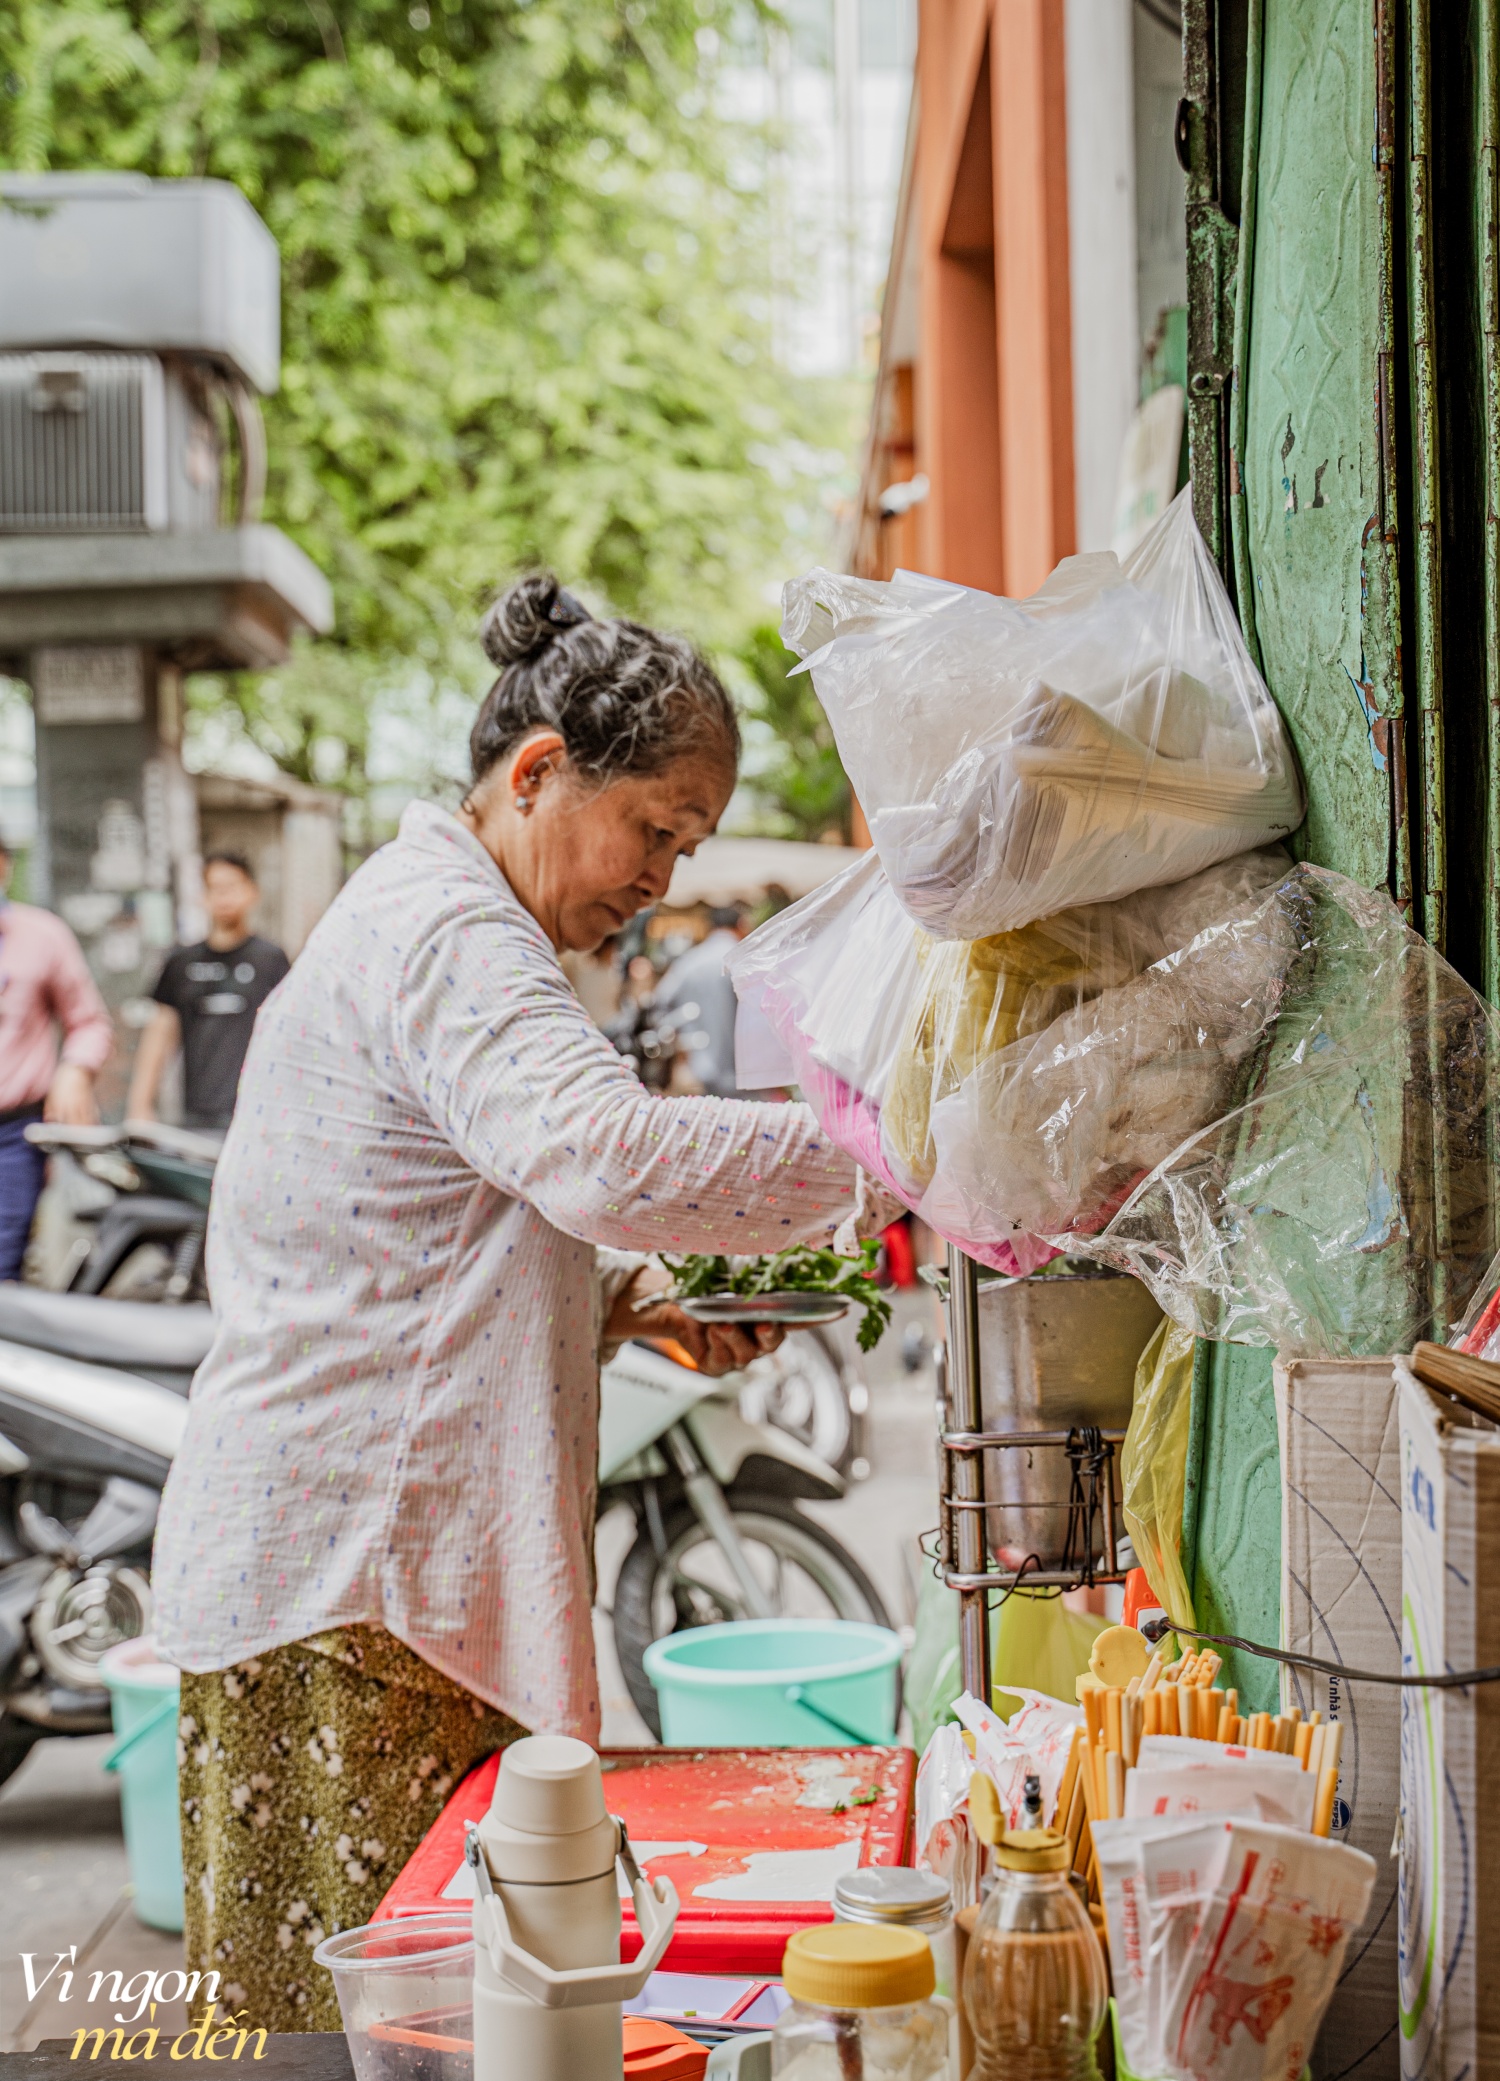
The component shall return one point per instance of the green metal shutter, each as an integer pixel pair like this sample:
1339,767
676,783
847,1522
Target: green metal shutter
1343,158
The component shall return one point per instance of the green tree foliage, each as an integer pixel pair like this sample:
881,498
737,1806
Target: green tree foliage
520,255
793,765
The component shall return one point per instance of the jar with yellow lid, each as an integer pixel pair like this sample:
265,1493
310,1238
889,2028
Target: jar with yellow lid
862,2009
1034,1987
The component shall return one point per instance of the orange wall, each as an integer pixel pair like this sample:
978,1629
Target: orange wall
992,389
1031,289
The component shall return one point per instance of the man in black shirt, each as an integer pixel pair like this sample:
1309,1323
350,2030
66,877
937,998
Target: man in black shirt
207,997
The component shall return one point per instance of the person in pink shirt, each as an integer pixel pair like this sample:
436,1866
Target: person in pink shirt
44,985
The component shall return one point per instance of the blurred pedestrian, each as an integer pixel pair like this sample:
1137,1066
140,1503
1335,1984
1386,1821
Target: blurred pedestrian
696,989
207,997
44,985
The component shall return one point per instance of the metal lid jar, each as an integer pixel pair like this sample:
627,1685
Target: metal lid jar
898,1897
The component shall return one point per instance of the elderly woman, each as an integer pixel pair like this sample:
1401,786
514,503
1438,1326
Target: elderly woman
433,1209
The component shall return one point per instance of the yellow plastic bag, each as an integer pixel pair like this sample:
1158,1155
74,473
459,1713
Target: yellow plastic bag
1042,1646
1153,1465
976,997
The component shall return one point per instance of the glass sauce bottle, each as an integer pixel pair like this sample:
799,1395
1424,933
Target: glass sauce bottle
1034,1982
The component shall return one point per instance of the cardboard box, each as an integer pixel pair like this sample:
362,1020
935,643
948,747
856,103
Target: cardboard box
1450,1741
1341,1599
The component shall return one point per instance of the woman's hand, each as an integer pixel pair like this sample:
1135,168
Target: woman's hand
714,1347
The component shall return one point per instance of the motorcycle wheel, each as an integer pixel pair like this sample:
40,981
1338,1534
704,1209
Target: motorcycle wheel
805,1570
800,1388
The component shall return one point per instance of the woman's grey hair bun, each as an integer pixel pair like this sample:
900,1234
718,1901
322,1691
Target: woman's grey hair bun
623,698
525,619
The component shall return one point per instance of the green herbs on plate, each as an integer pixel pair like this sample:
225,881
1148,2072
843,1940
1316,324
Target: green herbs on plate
801,1269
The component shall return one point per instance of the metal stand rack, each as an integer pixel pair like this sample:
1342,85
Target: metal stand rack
963,1537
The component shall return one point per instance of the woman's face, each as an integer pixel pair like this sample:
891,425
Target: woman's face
584,858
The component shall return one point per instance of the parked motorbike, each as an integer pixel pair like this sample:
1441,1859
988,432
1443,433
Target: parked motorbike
813,1386
139,1214
134,1208
92,1410
162,1345
84,1451
720,1531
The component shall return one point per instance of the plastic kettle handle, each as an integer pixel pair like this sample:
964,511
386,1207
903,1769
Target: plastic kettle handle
656,1906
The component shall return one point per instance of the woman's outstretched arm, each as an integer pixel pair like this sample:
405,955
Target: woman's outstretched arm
529,1091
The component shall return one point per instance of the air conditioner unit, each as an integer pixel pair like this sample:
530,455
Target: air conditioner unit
105,444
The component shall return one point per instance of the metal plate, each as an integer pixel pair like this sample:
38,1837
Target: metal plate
787,1309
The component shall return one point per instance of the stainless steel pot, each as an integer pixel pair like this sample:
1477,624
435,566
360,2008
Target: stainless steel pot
1055,1352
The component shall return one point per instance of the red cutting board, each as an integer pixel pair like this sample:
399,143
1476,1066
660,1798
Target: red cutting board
738,1829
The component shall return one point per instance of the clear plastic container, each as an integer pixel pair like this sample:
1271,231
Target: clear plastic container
862,2007
1034,1984
406,1994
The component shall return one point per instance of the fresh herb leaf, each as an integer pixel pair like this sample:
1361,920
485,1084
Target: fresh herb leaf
802,1269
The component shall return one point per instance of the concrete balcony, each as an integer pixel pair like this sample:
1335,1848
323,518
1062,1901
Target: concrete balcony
225,599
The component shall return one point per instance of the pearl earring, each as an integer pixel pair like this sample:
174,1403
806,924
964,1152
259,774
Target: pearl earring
523,803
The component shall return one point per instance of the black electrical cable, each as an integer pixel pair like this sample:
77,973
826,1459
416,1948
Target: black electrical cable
1460,1680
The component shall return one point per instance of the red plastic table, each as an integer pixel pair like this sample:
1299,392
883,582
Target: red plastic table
753,1840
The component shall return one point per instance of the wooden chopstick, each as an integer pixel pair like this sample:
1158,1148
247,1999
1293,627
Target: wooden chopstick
1473,1381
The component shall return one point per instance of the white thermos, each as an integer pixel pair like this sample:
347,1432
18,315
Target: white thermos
548,1982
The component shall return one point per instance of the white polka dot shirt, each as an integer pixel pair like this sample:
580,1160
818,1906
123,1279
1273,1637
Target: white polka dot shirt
398,1419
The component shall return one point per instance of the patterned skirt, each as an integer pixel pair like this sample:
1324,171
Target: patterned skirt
309,1775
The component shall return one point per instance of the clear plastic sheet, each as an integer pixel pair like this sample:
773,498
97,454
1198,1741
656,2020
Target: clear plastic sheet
906,1048
1258,1091
1343,1202
1019,757
1478,1334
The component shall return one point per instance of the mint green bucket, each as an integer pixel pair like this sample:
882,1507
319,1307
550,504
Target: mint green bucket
143,1699
777,1684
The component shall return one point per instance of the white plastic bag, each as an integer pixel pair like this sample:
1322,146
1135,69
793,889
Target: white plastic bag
945,1840
1019,757
1036,1740
1246,1124
1057,1128
826,990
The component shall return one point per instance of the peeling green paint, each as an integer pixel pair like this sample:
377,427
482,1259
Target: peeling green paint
1232,1520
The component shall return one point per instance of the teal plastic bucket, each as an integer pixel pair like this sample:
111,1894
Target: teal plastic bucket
777,1684
143,1698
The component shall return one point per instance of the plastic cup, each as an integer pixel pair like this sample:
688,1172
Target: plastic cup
406,1995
